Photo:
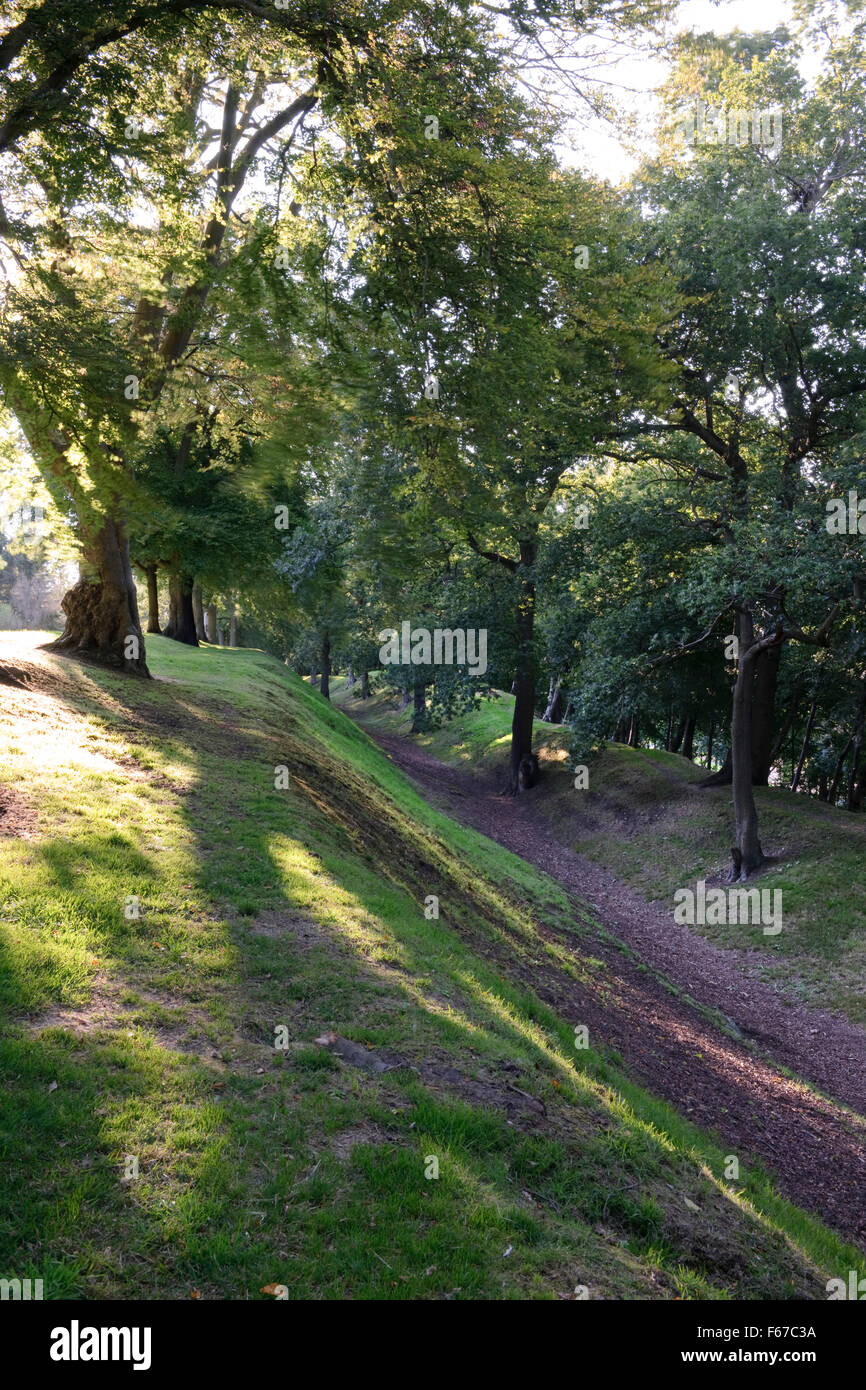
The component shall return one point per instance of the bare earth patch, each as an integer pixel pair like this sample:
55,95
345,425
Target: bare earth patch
304,931
18,819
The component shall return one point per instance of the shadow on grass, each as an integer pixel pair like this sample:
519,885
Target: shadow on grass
239,1184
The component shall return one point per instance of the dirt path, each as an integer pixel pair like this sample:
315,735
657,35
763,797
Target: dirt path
815,1149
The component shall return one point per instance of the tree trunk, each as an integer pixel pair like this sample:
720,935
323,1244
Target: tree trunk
553,712
211,615
152,600
173,609
233,626
181,626
419,710
804,750
689,740
314,679
633,734
325,661
677,740
723,777
787,722
833,790
763,710
198,612
670,734
350,676
712,730
747,854
524,680
365,685
850,804
762,698
405,699
102,609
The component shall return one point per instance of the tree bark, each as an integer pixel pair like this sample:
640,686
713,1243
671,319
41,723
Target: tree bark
233,626
350,676
181,626
762,697
365,685
689,739
763,711
419,710
795,780
173,609
712,730
633,733
524,680
833,790
747,854
553,712
787,722
198,612
101,610
850,802
152,600
723,777
676,742
314,680
325,662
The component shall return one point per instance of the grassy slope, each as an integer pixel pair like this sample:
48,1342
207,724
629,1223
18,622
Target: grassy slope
303,908
644,818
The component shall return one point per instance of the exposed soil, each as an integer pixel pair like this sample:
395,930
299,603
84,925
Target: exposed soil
18,819
815,1148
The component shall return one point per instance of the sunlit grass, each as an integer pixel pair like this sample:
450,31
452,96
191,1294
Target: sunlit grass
152,1036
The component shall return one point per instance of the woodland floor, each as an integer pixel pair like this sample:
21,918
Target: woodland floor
672,1005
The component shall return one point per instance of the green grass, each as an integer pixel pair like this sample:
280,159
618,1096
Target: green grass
269,915
644,819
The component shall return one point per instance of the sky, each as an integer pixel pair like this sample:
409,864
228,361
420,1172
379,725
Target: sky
596,146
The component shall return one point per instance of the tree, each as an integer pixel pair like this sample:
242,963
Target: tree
771,379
